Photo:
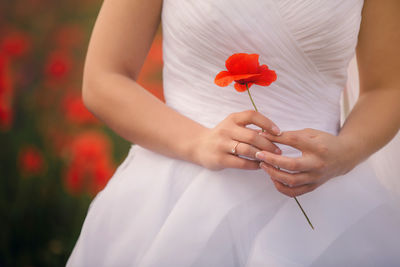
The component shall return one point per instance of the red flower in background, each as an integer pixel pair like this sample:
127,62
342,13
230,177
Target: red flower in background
31,160
244,69
6,93
76,112
15,44
150,76
90,167
58,65
6,118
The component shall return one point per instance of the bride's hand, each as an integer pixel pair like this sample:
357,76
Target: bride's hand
221,146
324,156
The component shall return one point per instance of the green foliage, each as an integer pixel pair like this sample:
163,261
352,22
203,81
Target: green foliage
42,208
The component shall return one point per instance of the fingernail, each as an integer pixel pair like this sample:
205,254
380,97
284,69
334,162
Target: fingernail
278,151
259,155
263,166
276,130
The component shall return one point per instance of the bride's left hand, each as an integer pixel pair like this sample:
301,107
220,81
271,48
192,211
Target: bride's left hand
324,156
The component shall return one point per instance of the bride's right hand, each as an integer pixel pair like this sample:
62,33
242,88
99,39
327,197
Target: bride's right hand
214,149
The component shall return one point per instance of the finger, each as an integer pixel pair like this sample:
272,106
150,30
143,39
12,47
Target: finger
253,117
232,161
246,150
299,164
253,138
289,179
296,139
293,191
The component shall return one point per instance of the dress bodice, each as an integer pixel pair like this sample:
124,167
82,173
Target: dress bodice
308,43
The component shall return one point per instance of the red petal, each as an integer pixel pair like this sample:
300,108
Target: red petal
223,79
241,87
267,76
248,77
242,63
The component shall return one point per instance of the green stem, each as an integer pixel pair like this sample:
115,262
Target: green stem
308,220
251,98
298,203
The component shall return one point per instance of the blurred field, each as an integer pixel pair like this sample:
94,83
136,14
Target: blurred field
54,155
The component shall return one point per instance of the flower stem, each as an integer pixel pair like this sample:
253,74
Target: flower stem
251,98
305,215
298,203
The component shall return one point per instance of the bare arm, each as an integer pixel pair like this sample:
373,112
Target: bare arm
375,119
373,122
120,41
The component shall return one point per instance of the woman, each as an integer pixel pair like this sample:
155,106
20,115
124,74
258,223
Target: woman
192,191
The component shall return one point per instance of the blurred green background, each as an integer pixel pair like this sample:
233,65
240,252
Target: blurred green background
54,155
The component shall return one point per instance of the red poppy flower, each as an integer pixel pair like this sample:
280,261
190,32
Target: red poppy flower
150,76
6,93
15,44
76,112
58,65
91,177
6,118
90,167
31,160
244,69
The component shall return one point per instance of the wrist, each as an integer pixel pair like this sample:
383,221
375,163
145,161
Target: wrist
193,150
352,152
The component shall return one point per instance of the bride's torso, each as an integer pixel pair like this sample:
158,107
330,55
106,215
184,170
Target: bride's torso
160,211
308,43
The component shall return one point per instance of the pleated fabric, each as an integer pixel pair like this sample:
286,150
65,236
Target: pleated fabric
157,211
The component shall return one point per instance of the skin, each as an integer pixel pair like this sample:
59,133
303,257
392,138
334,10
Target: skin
116,54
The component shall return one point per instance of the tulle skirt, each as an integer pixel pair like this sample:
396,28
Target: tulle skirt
159,211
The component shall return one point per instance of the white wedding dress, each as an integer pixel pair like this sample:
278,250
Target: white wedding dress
158,211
